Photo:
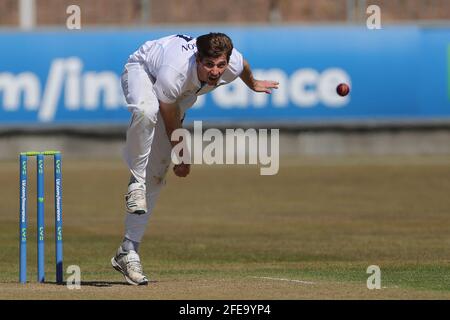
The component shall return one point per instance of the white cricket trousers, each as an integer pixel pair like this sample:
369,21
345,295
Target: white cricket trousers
147,148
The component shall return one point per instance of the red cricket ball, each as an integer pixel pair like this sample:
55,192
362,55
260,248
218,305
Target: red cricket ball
343,89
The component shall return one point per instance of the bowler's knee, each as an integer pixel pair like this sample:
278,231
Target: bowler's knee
140,116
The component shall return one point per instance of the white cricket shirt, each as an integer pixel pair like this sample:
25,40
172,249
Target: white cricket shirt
170,62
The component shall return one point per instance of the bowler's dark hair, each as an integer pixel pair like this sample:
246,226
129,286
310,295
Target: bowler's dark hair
213,45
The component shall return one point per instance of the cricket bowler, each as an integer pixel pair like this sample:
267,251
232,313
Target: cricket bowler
161,80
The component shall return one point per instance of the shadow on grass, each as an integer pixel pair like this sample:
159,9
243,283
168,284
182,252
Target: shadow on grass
99,283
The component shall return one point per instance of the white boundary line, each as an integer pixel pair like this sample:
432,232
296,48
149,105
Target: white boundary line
289,280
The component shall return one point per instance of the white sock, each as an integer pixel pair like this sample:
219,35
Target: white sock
128,245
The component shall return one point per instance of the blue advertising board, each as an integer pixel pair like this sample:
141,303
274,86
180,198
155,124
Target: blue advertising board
72,77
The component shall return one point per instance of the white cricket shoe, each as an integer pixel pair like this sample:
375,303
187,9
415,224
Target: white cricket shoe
129,264
135,199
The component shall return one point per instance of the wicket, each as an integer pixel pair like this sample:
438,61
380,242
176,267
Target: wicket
40,214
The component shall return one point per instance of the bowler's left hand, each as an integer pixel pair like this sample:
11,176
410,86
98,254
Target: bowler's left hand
265,85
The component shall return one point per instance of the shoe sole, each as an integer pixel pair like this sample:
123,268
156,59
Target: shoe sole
119,268
138,212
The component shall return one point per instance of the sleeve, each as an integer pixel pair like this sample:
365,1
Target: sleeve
236,64
168,84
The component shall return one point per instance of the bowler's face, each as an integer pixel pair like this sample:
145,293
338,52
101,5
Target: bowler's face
210,70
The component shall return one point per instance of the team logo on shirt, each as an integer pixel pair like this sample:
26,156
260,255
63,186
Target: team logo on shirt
187,46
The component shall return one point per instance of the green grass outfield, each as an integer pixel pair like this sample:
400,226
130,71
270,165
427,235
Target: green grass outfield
226,232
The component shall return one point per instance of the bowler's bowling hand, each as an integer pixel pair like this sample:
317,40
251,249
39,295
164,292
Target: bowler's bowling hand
265,86
182,169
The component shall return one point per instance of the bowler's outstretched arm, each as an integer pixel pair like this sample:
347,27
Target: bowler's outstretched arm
256,85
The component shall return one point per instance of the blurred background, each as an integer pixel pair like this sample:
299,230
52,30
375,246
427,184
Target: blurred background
99,13
59,72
